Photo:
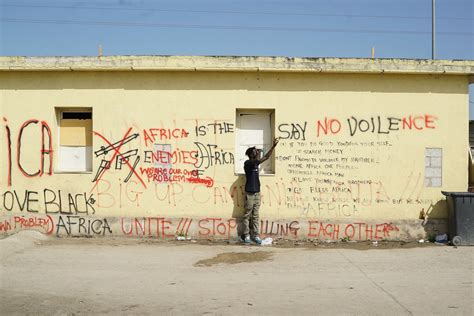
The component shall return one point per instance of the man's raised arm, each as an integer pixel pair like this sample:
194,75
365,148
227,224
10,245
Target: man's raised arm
269,153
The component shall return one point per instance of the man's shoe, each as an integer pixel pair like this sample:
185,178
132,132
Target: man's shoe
245,239
257,240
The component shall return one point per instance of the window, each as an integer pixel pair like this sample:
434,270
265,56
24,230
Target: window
75,140
254,128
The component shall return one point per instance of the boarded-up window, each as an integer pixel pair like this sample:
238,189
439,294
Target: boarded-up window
75,140
254,128
433,167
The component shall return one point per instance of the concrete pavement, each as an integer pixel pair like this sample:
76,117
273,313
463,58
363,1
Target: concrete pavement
119,276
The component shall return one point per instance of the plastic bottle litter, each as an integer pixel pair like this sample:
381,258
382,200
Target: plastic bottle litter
267,241
441,238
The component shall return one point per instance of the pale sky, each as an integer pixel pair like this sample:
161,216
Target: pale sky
297,28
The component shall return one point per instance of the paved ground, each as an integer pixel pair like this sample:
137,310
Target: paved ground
91,276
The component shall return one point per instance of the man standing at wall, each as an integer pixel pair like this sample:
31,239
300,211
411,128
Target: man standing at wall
250,220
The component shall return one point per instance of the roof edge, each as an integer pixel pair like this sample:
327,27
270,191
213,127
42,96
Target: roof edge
238,64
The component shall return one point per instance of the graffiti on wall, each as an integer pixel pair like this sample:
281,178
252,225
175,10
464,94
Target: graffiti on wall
38,133
119,159
375,124
318,176
335,176
206,227
48,200
44,224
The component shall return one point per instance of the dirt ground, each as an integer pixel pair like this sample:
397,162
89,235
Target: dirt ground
41,275
287,243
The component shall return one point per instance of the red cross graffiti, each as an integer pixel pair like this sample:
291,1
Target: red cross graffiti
115,147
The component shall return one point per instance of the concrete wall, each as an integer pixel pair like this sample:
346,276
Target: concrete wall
354,159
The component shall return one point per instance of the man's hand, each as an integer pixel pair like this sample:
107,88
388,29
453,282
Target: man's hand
275,141
269,153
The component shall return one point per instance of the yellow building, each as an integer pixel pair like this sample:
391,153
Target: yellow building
154,146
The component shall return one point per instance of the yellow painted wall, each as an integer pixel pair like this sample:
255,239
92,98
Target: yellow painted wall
388,181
